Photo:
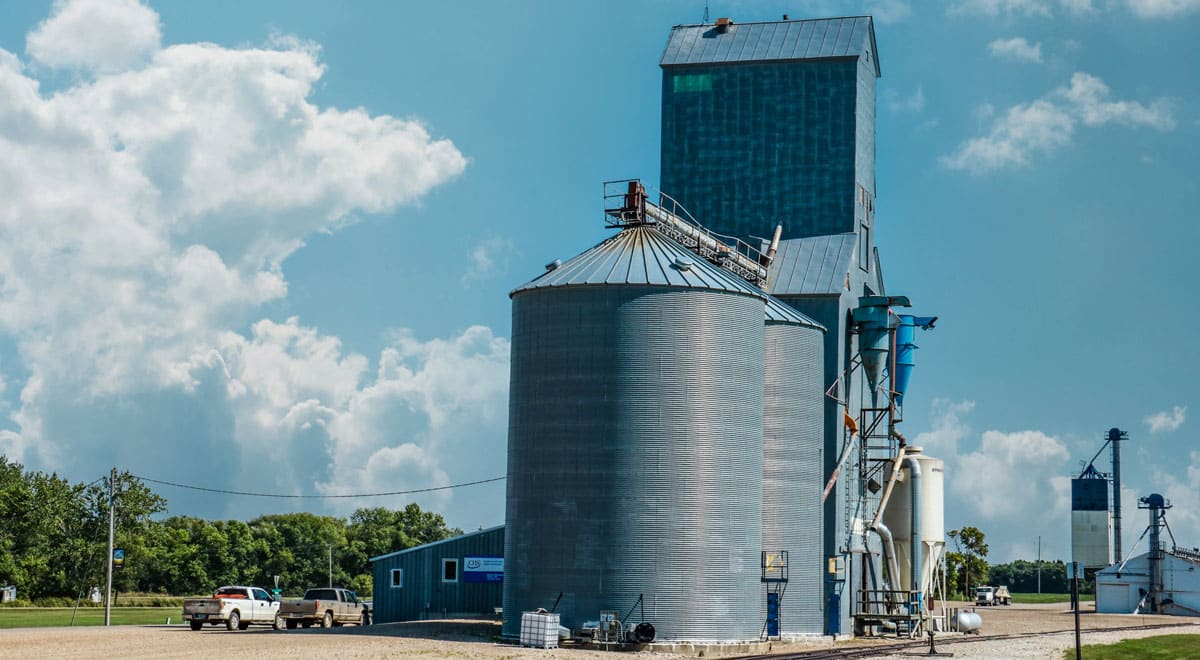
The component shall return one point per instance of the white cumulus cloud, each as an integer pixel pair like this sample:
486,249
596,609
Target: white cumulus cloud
148,211
1078,7
487,258
1033,457
1046,124
915,102
97,35
992,8
1162,8
949,427
1166,421
1016,49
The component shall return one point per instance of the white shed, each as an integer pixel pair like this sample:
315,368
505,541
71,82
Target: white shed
1123,591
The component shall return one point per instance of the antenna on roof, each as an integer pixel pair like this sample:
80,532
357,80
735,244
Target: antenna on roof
705,21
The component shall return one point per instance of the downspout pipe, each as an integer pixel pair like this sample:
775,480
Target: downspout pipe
889,552
914,473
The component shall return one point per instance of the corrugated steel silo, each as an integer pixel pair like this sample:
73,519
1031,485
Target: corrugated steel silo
635,442
793,418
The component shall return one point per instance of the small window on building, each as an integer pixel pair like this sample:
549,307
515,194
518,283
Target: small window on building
864,248
693,83
449,570
397,578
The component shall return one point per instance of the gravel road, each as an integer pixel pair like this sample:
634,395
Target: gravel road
474,639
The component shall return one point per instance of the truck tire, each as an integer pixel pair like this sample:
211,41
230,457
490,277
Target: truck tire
291,625
327,620
277,624
234,622
195,625
307,624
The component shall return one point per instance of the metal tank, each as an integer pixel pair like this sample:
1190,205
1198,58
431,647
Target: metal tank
929,523
793,418
635,443
1090,522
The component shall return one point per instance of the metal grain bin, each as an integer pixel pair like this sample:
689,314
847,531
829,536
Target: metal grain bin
635,443
792,464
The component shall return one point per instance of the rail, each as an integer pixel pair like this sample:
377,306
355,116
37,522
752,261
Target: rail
626,204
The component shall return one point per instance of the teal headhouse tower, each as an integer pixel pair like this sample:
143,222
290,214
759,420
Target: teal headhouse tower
772,123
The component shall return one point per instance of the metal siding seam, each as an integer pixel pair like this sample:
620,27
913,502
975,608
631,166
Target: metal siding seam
794,247
845,32
763,42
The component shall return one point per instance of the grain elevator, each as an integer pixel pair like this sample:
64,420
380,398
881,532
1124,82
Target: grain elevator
704,407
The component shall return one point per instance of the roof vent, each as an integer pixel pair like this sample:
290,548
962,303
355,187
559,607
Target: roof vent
553,265
683,263
723,24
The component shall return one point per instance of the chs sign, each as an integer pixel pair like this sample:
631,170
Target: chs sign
483,569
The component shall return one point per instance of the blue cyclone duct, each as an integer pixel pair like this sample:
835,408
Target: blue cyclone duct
906,350
875,320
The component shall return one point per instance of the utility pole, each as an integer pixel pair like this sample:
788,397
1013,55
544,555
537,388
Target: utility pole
112,478
330,564
1039,564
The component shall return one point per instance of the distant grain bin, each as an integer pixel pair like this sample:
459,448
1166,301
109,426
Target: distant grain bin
1090,521
792,469
636,442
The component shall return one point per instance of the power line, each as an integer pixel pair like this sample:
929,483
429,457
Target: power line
318,497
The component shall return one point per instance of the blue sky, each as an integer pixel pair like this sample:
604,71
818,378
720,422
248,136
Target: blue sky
267,246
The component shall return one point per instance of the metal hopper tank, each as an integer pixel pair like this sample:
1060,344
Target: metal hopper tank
635,442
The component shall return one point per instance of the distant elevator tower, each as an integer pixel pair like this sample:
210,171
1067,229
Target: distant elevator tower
1089,518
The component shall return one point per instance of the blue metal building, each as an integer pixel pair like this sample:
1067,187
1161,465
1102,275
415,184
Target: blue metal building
461,576
774,122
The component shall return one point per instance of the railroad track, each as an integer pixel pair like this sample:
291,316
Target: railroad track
915,647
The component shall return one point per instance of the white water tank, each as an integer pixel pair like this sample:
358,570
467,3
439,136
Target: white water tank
898,518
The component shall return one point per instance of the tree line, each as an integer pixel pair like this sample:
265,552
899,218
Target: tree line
54,541
967,568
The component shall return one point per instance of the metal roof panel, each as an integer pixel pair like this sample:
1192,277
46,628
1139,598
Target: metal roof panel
816,265
778,311
426,545
770,41
640,255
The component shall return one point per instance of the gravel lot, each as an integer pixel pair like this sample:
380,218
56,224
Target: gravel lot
473,639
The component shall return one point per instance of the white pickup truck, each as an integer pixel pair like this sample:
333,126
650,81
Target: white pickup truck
326,608
236,607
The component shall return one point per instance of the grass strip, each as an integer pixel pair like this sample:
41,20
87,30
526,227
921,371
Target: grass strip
42,617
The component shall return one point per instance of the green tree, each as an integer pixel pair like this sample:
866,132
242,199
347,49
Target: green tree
297,548
969,560
378,531
133,505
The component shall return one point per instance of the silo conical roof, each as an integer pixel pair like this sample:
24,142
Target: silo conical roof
778,311
641,256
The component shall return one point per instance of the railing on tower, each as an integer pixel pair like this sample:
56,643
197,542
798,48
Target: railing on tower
626,204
